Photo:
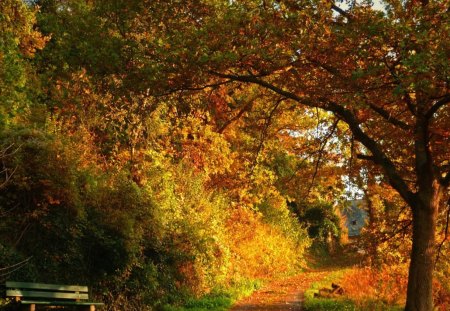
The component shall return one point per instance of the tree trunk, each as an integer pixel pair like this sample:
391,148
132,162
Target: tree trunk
420,291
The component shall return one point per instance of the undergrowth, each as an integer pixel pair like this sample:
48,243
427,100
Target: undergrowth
218,300
340,303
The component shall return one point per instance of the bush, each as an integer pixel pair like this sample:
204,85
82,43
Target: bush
260,250
356,298
168,239
386,285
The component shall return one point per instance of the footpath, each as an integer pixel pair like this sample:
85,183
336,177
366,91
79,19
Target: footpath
280,295
288,293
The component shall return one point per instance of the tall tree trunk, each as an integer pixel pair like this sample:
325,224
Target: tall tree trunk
420,291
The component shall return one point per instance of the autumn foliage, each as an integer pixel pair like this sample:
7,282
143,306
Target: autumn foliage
164,150
387,284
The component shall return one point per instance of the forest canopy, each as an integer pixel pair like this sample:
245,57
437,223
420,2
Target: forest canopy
161,150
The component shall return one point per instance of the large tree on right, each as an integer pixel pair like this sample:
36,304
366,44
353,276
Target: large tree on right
385,73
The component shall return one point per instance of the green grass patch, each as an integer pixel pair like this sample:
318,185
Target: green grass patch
323,304
209,302
218,300
343,304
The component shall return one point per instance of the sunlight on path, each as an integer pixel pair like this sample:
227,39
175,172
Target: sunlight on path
280,295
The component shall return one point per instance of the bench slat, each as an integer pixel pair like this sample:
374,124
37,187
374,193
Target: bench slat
41,294
42,286
61,303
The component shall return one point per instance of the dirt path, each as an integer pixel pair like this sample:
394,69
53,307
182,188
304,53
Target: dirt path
280,295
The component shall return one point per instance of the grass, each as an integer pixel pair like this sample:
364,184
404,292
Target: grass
210,302
219,300
340,303
339,264
324,304
318,304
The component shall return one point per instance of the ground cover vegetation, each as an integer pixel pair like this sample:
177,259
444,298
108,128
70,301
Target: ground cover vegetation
174,152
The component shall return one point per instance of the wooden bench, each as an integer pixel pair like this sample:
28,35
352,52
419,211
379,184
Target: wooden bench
32,294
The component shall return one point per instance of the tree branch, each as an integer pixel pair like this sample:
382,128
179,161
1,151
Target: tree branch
192,88
440,103
7,176
379,157
337,9
247,107
20,263
320,154
408,99
7,271
8,172
267,85
327,68
389,118
383,113
393,234
365,157
264,131
348,117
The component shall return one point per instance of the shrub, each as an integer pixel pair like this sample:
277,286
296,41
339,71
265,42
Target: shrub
387,284
260,250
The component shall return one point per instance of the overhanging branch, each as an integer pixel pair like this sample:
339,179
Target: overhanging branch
379,157
267,85
264,131
192,88
440,103
383,113
386,115
348,117
337,9
322,146
365,157
245,108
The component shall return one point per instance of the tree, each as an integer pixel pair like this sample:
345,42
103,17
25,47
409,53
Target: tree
386,77
384,74
19,41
